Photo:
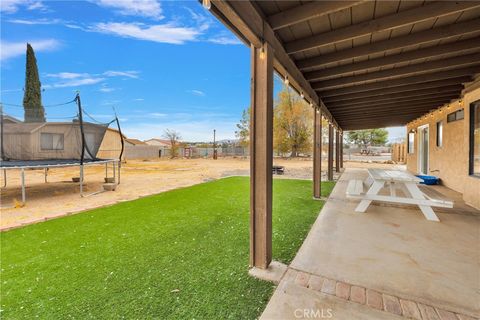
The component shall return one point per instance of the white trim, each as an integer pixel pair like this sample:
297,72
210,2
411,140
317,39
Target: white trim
420,148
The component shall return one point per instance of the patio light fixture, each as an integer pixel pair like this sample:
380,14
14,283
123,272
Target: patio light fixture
262,53
207,4
286,81
302,95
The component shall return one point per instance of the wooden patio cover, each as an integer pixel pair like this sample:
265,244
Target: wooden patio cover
366,63
361,64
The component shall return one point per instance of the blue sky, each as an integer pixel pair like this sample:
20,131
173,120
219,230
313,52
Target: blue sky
166,64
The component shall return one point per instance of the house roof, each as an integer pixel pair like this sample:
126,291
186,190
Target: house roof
10,119
135,141
163,141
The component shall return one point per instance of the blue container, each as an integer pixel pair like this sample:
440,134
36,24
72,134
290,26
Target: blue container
428,180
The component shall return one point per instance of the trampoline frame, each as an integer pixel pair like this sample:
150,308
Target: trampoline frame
116,166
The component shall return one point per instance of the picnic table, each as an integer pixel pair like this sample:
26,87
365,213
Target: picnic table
394,179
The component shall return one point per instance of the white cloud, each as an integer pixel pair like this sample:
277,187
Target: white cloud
157,115
163,33
68,75
197,93
106,89
139,99
12,6
15,49
128,74
42,21
74,83
225,40
143,8
75,79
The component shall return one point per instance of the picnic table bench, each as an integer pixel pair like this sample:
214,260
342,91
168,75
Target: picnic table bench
394,179
278,169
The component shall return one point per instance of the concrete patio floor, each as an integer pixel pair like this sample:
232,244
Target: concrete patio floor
387,263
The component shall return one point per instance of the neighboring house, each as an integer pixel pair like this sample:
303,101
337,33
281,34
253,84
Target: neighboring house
10,119
134,142
50,140
159,142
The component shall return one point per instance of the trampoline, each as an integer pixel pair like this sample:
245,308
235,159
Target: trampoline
42,145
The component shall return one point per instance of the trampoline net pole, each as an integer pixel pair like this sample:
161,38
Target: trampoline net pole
23,186
119,165
81,180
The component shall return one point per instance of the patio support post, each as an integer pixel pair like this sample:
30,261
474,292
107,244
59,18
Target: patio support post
330,152
337,150
341,150
261,156
317,154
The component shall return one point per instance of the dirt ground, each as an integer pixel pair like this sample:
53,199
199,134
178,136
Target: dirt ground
60,196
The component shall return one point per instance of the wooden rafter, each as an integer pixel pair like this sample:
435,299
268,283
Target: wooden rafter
394,104
410,89
410,70
412,95
410,56
415,15
442,75
421,108
308,11
444,32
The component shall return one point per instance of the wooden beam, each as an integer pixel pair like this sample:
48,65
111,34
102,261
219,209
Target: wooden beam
394,103
308,11
330,152
410,70
373,114
341,150
337,151
317,154
261,157
402,96
250,25
441,75
400,19
379,119
469,45
409,89
418,38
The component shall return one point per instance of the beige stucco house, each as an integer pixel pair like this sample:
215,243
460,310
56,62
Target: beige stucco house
446,143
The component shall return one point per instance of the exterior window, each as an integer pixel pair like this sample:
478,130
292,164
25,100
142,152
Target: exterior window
475,139
51,141
439,134
454,116
411,141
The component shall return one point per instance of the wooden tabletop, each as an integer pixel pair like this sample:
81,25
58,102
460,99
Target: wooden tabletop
393,175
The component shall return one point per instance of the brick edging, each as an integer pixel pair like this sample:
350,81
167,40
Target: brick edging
375,299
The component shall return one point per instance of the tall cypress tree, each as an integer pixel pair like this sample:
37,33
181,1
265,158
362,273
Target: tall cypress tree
32,98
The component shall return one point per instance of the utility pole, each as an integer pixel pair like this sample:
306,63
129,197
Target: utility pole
214,145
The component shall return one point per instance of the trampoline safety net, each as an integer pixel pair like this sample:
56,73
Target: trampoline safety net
67,133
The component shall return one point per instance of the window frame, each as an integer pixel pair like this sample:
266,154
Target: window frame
439,138
53,146
471,138
411,144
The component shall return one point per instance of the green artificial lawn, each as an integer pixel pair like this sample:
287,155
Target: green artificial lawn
181,254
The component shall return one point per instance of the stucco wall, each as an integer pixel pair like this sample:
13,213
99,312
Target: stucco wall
450,162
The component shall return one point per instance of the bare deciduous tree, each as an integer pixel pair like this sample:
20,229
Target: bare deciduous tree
174,138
